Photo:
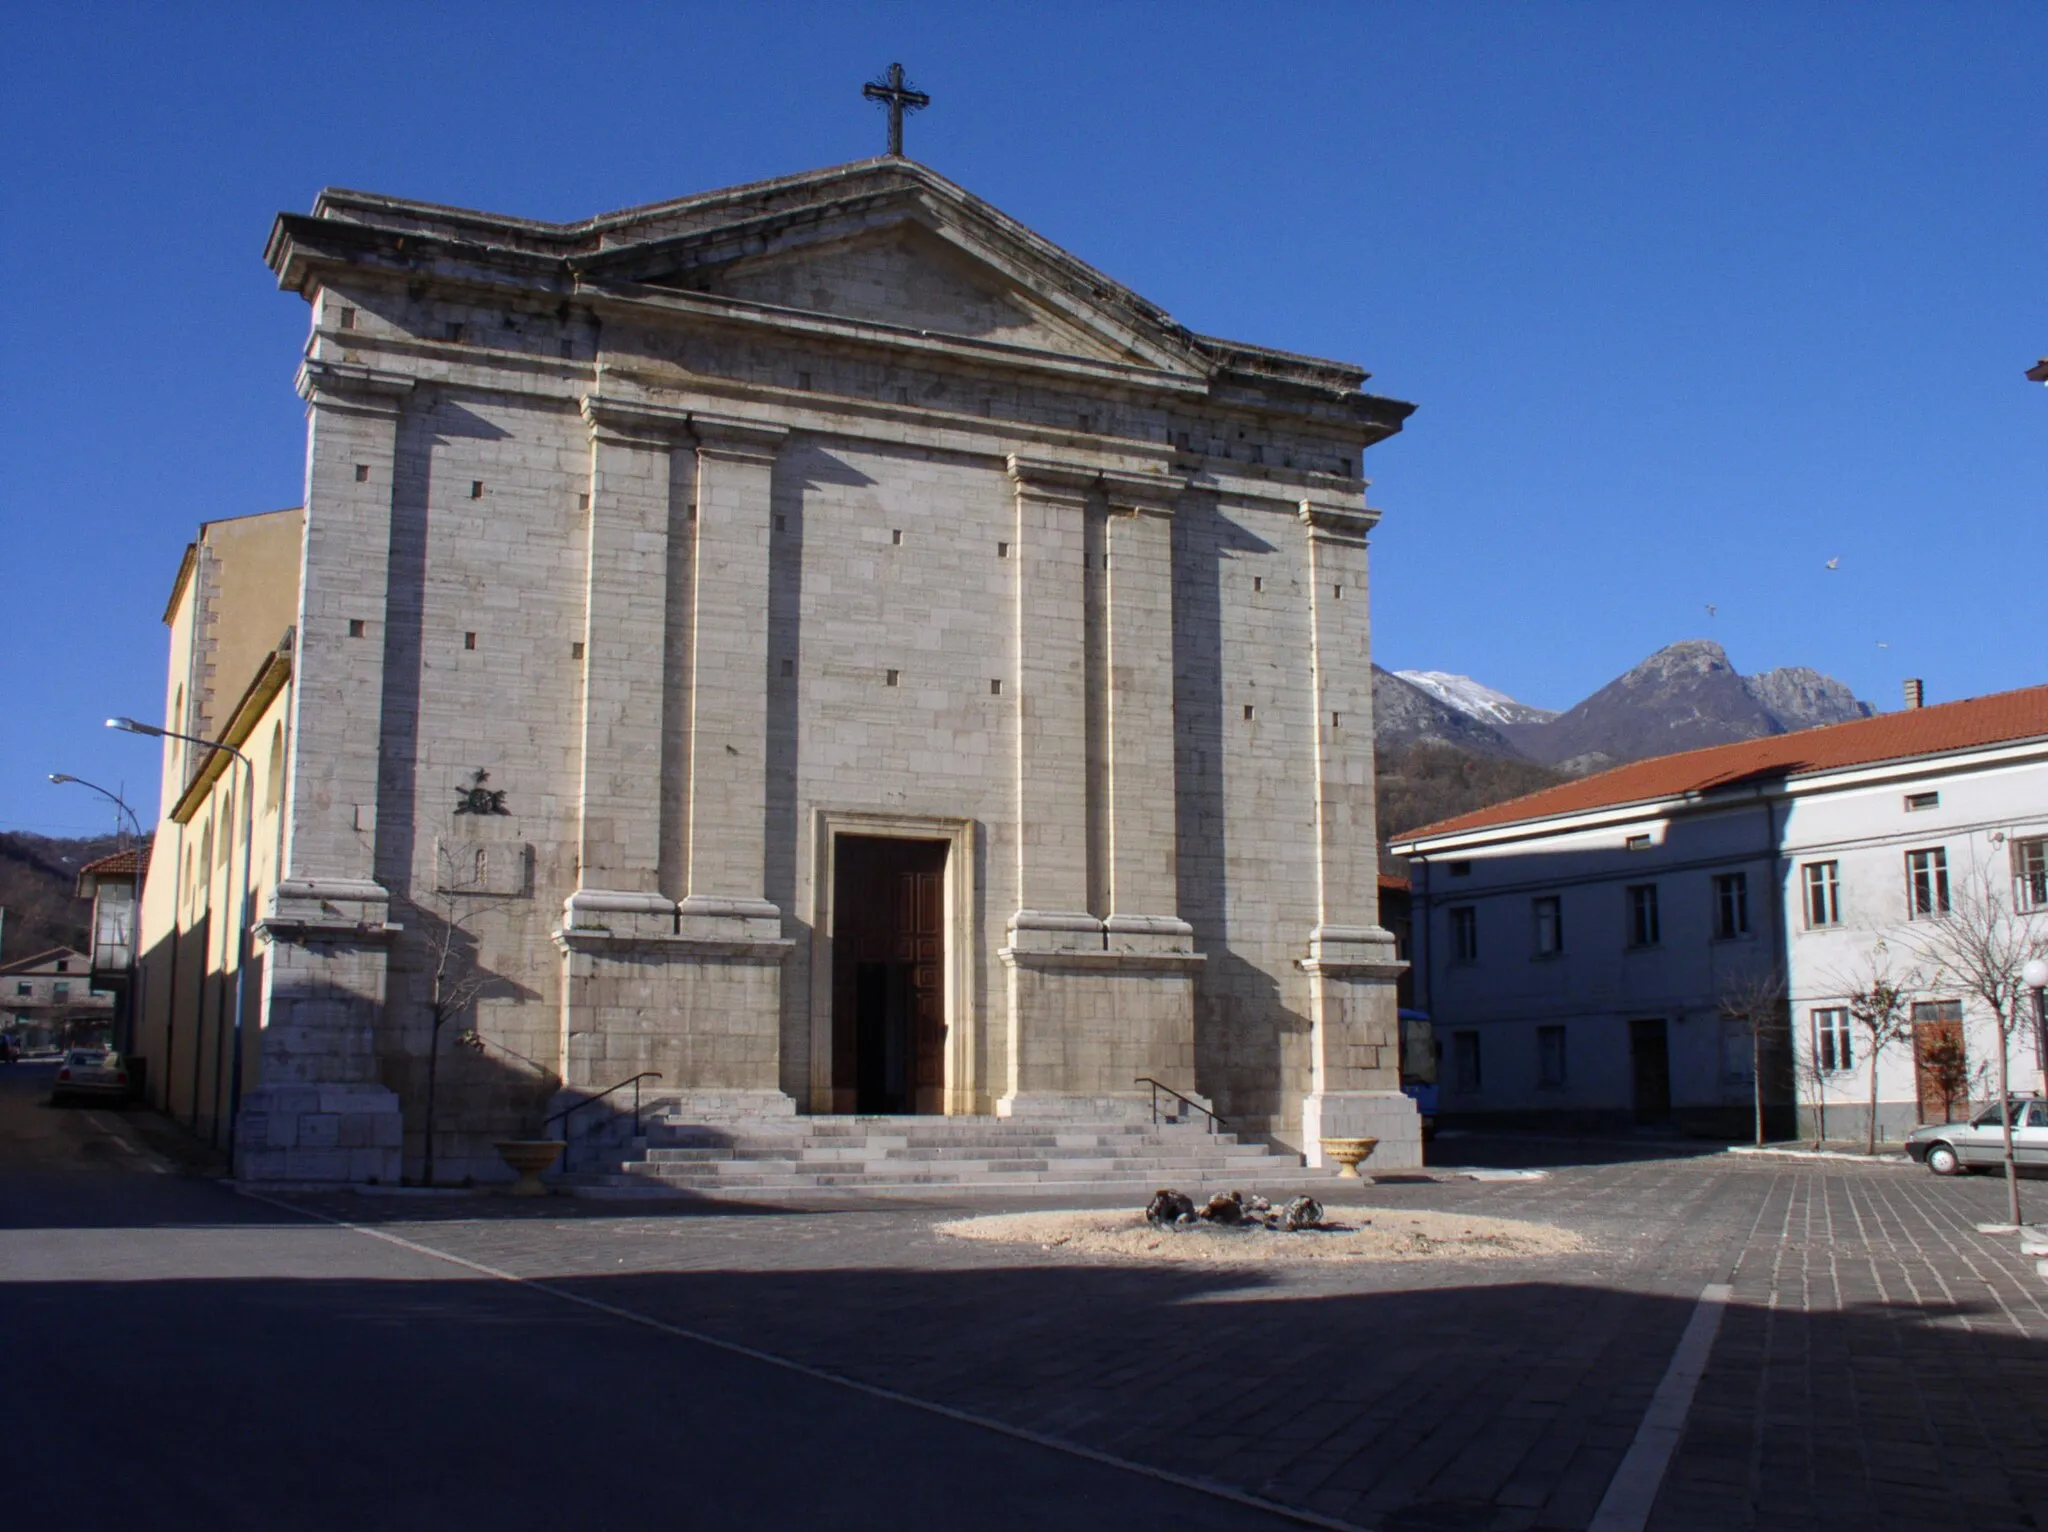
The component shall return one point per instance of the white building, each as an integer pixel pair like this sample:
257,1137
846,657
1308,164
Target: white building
1576,946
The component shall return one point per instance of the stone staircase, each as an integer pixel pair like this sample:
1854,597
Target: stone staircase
808,1156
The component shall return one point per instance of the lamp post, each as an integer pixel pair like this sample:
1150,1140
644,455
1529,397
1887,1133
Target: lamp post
131,726
128,996
2035,977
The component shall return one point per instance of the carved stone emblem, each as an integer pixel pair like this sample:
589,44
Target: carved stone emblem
479,799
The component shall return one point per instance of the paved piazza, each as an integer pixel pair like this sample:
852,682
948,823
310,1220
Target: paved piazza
1878,1363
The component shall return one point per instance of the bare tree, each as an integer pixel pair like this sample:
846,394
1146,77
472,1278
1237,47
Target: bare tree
1980,942
1881,1005
456,978
1813,1079
1756,999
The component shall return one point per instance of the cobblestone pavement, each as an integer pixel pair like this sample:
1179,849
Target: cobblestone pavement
1881,1365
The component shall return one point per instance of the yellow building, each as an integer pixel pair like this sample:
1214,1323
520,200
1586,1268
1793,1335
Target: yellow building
218,841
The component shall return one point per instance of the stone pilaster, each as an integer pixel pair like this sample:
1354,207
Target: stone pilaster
626,616
1052,708
1143,807
689,988
1094,1003
1354,1085
319,1113
728,809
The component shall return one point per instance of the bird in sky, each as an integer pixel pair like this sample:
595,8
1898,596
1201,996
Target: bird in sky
1835,563
1710,608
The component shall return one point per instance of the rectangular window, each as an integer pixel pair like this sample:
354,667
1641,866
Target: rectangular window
1643,930
1927,883
1731,905
1549,916
1550,1056
1465,1061
1834,1050
24,989
1464,934
1823,883
1917,801
60,993
2030,874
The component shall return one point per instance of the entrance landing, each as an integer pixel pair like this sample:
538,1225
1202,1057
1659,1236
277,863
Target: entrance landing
881,1154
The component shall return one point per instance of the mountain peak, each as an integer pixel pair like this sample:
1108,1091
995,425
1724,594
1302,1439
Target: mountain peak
1474,698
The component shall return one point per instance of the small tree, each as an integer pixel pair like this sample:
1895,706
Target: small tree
455,976
1980,943
1881,1005
1756,999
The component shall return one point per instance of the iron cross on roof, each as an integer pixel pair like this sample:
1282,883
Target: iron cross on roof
893,93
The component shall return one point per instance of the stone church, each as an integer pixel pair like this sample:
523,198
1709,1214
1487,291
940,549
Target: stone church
822,643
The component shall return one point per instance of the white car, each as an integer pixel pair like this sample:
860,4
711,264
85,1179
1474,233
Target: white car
1951,1148
98,1073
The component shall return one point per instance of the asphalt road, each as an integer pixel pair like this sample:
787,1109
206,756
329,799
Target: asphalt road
180,1356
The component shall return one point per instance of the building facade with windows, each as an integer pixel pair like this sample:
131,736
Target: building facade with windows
1592,951
47,1000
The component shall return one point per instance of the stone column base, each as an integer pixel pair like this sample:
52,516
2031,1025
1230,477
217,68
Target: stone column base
1388,1116
326,1134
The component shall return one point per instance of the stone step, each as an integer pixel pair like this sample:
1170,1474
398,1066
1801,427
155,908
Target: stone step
1157,1169
1033,1184
869,1154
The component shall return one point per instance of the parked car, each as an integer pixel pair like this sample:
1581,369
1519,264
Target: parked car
95,1073
1953,1148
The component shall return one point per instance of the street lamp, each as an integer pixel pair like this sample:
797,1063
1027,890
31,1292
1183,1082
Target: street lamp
132,726
2035,976
128,996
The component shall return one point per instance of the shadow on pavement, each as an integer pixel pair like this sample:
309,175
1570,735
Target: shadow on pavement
455,1401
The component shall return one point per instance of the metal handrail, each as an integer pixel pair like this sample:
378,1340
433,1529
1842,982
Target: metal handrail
567,1112
1215,1122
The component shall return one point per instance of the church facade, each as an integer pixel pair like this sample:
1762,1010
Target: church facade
823,645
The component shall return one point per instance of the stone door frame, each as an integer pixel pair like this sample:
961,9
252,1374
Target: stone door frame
965,1090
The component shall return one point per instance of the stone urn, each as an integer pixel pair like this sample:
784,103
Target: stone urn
529,1156
1348,1152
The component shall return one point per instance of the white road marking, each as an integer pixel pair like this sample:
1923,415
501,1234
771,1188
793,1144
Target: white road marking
873,1391
151,1160
1633,1490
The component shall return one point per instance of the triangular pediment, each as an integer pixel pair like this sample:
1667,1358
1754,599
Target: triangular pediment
899,247
909,277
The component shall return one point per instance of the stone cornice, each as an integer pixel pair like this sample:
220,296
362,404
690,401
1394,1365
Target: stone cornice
633,422
733,436
1333,524
352,386
1149,494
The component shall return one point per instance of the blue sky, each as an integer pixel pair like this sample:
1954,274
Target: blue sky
1692,298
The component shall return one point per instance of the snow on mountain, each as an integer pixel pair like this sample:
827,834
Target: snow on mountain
1473,698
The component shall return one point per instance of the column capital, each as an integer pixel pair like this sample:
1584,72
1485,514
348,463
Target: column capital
1142,494
1046,479
352,386
1337,524
630,422
738,439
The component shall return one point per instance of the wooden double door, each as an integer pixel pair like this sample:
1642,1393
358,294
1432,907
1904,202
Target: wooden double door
888,975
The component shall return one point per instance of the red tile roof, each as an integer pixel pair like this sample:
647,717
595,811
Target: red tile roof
122,864
2000,718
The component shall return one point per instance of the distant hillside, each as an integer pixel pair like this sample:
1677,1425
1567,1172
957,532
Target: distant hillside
1420,784
37,879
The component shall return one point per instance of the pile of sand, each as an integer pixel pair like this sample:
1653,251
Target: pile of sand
1351,1234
